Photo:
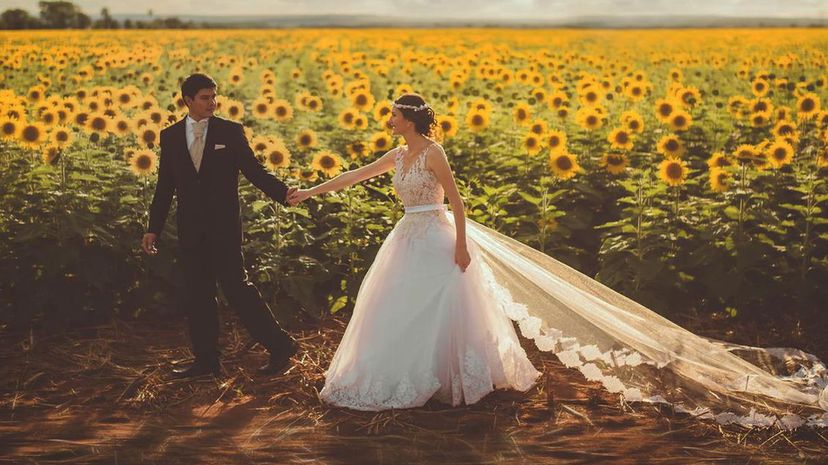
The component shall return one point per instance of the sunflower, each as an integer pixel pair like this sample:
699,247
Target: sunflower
99,123
31,135
564,165
314,103
121,125
635,92
807,106
382,110
760,119
538,127
779,153
49,117
9,128
327,162
532,143
737,106
719,160
380,142
261,108
680,120
632,121
557,100
356,149
346,118
363,100
277,156
448,125
143,162
588,118
477,120
614,163
556,141
307,175
306,139
760,105
234,109
621,139
148,135
671,146
282,110
360,122
522,113
61,136
664,107
745,153
786,129
36,94
259,144
673,171
689,96
719,180
759,87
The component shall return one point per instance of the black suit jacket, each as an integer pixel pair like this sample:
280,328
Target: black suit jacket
208,200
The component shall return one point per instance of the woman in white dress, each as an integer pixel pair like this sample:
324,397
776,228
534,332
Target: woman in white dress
433,317
424,323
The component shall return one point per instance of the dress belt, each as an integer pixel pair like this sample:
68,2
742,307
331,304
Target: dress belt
425,208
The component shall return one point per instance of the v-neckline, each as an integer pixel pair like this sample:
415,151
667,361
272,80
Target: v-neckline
405,171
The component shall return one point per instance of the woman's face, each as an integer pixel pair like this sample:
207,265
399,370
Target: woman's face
398,123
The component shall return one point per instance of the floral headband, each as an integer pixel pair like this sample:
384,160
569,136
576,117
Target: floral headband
410,107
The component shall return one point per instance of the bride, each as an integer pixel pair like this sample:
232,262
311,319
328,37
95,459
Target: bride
433,317
425,323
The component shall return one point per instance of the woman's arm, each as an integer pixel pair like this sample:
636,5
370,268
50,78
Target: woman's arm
348,178
437,162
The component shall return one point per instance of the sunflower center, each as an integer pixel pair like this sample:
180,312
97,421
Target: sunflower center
591,120
621,137
361,99
31,133
8,129
807,105
780,153
143,162
305,140
665,109
674,171
276,157
671,145
563,163
680,121
327,162
281,111
477,120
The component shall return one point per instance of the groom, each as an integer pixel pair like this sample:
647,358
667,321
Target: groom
201,156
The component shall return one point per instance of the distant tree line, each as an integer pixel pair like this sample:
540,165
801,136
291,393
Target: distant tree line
67,15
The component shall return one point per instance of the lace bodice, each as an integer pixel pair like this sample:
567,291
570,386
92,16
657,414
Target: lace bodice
416,184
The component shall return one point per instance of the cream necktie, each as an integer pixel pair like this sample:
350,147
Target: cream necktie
197,147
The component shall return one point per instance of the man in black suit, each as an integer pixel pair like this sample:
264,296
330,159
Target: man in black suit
201,156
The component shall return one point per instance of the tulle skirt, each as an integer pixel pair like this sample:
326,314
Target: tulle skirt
422,328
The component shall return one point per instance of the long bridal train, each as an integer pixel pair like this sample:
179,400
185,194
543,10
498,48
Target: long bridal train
642,356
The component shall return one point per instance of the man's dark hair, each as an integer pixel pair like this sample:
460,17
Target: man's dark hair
195,82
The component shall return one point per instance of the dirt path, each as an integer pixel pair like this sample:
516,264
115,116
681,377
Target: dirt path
104,395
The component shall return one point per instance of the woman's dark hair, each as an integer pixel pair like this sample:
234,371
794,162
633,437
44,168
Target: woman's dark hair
194,83
424,121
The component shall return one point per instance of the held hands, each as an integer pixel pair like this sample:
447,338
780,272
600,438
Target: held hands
297,196
148,243
462,257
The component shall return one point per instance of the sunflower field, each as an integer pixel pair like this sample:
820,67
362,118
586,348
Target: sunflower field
684,168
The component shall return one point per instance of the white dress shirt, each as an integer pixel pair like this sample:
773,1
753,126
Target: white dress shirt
190,135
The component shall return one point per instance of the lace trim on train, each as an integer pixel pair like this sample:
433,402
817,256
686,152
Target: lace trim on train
587,359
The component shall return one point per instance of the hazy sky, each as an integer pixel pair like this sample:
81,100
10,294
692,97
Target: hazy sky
539,9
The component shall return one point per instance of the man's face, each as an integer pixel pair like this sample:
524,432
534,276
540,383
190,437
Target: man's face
203,105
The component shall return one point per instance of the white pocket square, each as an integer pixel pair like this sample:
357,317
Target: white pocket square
219,146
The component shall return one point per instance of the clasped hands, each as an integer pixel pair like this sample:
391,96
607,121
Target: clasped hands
295,196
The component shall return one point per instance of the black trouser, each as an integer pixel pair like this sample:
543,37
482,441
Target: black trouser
204,265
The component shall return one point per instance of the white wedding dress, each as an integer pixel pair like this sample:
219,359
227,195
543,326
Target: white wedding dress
422,328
